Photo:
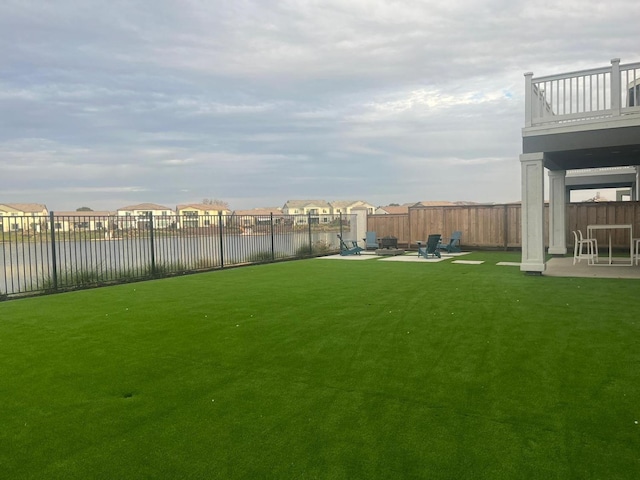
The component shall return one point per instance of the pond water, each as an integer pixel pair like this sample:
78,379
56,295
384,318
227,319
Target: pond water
28,266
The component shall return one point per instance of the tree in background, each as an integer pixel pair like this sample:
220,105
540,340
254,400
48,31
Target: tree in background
84,209
215,201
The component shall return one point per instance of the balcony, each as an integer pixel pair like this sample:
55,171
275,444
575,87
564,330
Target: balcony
594,96
585,119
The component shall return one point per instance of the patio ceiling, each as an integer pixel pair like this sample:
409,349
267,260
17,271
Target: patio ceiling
608,147
617,156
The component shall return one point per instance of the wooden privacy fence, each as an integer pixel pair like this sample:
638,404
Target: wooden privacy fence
579,215
499,226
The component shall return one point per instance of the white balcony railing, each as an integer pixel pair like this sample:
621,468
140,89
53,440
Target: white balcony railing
599,93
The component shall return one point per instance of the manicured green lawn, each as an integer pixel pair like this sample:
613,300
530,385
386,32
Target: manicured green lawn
326,369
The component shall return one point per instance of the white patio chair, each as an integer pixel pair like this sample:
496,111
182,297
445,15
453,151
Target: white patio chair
593,243
579,244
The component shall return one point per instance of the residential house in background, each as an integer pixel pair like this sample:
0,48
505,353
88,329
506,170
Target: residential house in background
404,208
257,216
20,217
197,215
345,207
312,211
436,203
138,216
393,210
90,221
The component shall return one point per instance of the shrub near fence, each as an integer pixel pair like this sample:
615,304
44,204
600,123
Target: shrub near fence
498,226
62,252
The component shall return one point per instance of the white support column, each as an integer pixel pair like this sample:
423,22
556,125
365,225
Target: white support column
532,168
361,223
557,213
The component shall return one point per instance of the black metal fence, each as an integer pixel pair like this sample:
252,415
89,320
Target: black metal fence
62,252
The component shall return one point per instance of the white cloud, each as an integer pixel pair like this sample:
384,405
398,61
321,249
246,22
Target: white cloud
92,190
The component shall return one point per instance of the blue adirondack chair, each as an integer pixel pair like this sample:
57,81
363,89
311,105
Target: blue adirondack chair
453,245
371,242
431,247
354,249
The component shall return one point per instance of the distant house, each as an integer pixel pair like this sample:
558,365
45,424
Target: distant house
195,215
14,217
404,208
313,211
392,210
432,203
441,203
345,207
138,216
84,221
258,216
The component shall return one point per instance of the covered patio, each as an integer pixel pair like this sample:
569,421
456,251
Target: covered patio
588,119
560,266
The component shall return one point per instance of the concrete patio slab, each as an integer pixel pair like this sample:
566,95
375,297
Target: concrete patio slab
412,258
348,257
414,255
564,267
469,262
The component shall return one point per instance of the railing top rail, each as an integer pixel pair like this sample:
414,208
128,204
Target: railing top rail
580,73
577,73
629,66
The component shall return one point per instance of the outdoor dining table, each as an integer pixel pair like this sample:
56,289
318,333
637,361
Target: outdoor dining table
590,233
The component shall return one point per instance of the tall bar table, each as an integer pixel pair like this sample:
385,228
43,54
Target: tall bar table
592,228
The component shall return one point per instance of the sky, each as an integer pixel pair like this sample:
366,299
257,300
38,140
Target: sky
114,103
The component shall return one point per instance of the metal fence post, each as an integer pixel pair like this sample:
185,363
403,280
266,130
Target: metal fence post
309,223
54,259
152,245
341,235
221,239
273,246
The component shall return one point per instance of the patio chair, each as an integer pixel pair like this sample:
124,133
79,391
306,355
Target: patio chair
354,249
594,245
453,245
579,246
371,241
431,247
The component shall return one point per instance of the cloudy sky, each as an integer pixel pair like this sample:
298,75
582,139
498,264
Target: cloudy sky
107,104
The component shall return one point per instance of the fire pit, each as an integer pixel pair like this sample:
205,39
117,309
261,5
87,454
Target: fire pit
389,242
389,247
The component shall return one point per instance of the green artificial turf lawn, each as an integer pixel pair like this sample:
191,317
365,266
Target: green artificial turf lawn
326,369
